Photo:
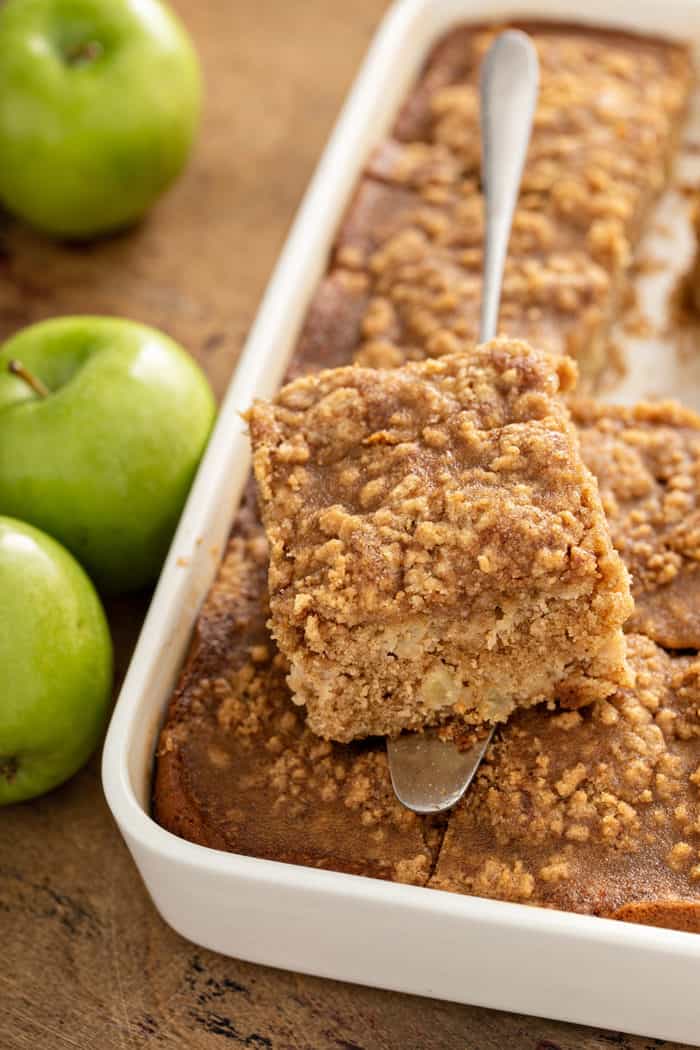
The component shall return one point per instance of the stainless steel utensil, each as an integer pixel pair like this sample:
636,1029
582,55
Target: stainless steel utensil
430,775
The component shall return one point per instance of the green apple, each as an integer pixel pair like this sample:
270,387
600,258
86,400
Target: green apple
99,104
55,664
100,441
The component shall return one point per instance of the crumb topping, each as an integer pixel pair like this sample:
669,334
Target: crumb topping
603,790
605,127
606,112
454,490
647,462
380,489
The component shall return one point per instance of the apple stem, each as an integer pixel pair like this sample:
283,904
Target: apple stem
84,52
16,368
8,769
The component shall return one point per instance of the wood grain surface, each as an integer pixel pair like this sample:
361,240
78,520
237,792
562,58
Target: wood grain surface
86,962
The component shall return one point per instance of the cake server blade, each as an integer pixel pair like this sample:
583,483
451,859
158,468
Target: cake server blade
429,775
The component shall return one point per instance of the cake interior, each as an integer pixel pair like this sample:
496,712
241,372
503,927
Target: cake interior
428,670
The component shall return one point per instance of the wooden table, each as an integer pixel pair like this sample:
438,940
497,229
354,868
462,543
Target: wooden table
85,960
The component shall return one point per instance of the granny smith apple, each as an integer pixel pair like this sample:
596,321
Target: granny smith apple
55,663
102,425
99,104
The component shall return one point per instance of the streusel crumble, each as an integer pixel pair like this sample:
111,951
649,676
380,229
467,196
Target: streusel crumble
647,461
437,547
588,810
606,128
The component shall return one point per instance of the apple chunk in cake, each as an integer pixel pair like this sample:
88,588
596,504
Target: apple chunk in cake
437,547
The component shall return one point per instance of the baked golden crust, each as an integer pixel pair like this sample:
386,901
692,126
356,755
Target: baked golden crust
437,547
647,461
591,810
673,914
332,327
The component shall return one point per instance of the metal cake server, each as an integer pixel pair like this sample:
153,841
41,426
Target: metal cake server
428,774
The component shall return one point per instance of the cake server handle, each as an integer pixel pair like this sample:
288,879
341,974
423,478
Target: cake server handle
508,90
430,775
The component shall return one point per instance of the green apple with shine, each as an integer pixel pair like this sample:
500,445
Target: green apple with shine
55,664
99,105
102,425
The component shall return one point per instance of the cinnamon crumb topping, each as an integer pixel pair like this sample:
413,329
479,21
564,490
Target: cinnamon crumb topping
588,830
436,545
647,462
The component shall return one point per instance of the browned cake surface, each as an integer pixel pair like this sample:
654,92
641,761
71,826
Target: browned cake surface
647,461
673,914
606,125
437,547
589,810
234,750
237,768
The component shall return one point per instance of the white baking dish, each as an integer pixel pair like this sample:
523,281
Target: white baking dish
564,966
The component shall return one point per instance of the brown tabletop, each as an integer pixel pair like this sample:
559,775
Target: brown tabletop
86,960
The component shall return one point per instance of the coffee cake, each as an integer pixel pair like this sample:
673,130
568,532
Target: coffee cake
437,548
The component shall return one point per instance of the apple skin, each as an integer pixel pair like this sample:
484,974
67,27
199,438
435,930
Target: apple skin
99,106
105,462
55,664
